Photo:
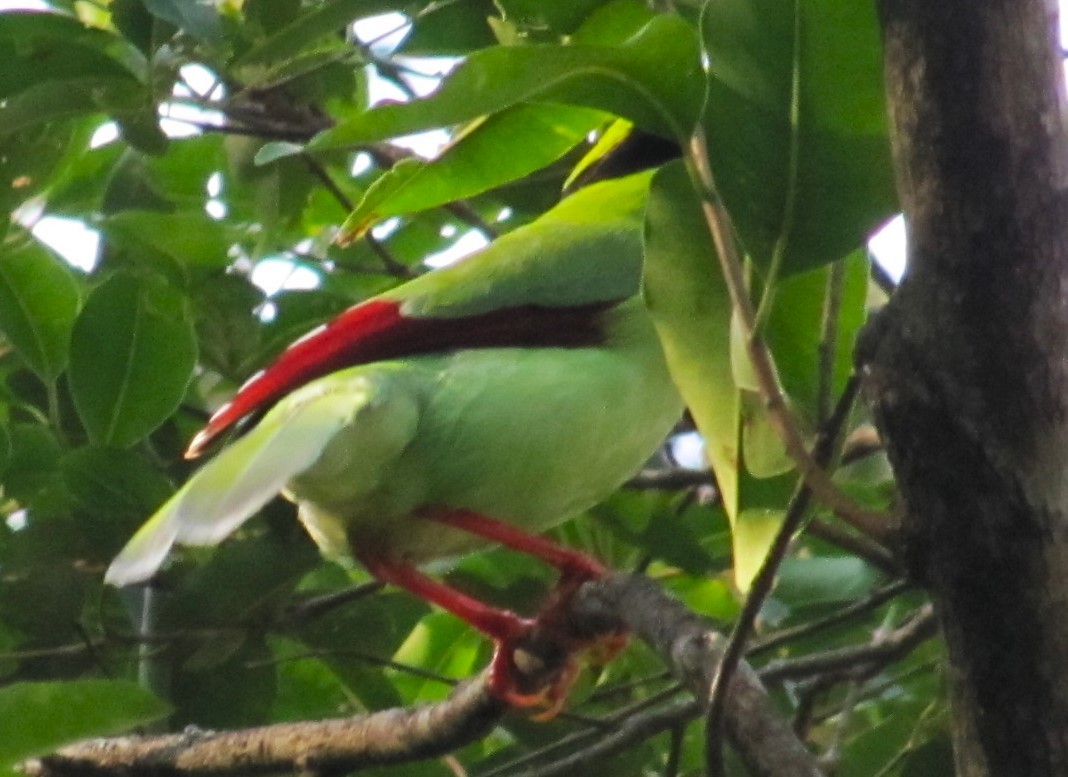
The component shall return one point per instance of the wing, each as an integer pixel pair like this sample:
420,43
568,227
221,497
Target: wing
545,284
377,330
246,475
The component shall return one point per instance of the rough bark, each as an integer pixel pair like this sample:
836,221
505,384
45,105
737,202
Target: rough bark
967,369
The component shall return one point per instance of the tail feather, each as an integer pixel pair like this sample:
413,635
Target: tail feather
232,487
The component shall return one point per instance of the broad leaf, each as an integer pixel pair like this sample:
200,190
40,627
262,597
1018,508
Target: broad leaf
41,48
37,718
652,79
39,300
691,308
751,536
55,100
502,148
320,21
201,20
820,185
802,335
132,355
113,482
191,239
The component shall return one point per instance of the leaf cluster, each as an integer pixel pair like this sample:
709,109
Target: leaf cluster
242,188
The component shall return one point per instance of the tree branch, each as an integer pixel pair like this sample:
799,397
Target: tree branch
755,729
761,736
322,747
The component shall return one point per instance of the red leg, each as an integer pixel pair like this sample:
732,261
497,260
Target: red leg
575,569
572,564
501,625
506,629
514,636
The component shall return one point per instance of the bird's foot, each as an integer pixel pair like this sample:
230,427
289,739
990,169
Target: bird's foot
538,663
527,678
534,663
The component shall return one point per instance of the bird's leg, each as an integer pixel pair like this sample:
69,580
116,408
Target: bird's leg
552,623
517,676
573,566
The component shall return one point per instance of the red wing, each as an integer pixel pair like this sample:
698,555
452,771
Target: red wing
378,330
359,335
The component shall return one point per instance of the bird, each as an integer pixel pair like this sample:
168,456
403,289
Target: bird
482,402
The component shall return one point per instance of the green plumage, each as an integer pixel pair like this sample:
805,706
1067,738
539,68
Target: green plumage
530,436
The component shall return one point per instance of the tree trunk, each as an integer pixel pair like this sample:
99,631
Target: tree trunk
967,368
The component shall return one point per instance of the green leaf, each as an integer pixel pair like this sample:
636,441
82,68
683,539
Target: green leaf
501,148
691,309
201,20
613,23
842,184
54,100
308,689
237,691
132,356
820,580
608,141
191,238
32,162
794,330
31,466
38,718
270,152
763,451
50,47
450,29
931,759
373,626
113,482
795,333
751,537
562,18
653,79
134,22
38,304
322,20
5,446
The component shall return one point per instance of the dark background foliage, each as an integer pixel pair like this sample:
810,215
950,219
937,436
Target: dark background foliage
106,370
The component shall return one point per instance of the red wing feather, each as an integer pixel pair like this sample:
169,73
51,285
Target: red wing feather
378,329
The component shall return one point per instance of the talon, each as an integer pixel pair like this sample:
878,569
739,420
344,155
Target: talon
514,668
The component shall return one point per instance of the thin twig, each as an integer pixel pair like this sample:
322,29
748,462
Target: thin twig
608,723
828,344
361,656
393,267
386,156
854,661
872,523
635,729
317,169
755,729
316,606
856,610
764,581
673,479
876,555
674,758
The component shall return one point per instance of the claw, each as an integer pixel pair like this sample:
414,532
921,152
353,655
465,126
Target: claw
534,662
515,669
